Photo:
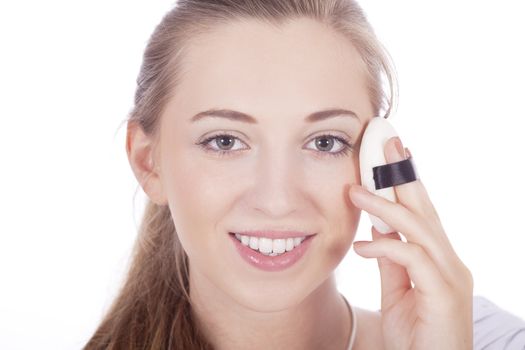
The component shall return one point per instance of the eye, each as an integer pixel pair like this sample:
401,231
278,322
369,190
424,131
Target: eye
223,142
326,142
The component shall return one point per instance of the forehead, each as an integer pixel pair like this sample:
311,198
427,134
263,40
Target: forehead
258,68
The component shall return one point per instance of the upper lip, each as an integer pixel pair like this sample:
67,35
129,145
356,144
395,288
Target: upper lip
274,234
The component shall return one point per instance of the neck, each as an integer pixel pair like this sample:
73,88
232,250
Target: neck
320,321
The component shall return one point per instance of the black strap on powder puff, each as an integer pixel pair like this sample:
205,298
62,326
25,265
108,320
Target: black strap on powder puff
393,174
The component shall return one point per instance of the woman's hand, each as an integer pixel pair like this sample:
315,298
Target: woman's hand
435,313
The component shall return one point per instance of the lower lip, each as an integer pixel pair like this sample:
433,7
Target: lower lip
271,263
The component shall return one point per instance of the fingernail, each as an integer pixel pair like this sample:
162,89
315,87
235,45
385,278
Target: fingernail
360,244
407,152
399,147
361,190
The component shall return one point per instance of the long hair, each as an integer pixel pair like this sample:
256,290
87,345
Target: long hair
153,309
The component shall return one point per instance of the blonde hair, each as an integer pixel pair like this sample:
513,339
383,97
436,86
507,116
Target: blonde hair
153,307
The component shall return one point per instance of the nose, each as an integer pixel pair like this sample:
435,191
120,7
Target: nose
276,184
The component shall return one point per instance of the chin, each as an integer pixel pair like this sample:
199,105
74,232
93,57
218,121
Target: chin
280,296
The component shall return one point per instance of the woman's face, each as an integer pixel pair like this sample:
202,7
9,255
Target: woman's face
278,171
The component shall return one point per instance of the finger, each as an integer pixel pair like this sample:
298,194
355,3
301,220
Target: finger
395,281
420,267
412,195
414,227
397,216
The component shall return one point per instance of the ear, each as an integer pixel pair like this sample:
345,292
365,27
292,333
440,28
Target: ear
142,158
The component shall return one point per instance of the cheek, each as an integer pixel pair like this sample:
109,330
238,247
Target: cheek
341,216
198,198
342,230
343,220
330,182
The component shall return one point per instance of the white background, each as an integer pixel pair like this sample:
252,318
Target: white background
67,219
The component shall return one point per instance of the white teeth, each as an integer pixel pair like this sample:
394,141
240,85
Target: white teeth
265,245
279,245
289,244
268,246
245,240
254,243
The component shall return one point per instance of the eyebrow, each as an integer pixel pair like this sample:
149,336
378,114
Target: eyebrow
245,118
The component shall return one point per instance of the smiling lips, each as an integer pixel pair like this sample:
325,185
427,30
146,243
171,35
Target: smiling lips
273,234
271,243
271,250
268,246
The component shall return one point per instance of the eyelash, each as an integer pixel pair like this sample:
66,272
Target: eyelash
347,146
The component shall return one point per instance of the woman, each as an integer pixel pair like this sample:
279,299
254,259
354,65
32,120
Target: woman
245,136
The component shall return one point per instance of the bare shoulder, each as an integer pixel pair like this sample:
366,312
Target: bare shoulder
368,333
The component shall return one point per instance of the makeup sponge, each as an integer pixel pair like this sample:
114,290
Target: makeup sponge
377,176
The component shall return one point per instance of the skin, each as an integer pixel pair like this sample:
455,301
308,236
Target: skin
292,184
